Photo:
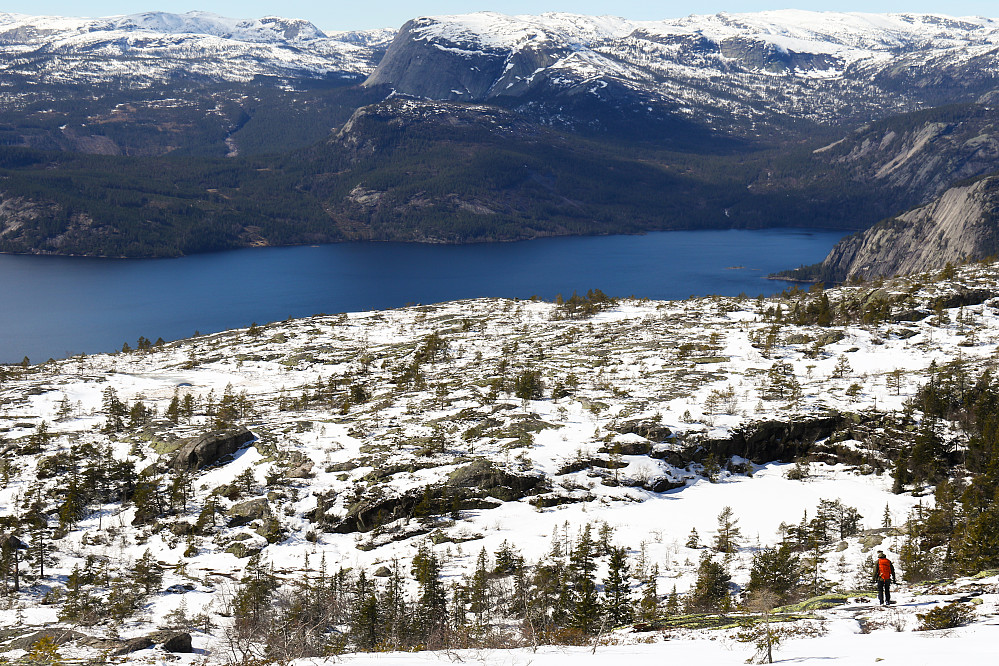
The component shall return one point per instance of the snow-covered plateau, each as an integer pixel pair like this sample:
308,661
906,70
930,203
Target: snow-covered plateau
825,67
159,46
483,443
726,68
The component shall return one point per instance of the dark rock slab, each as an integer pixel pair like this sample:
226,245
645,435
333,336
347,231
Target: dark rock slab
248,511
133,645
650,430
209,449
57,636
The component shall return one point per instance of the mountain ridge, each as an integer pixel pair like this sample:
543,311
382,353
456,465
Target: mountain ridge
729,106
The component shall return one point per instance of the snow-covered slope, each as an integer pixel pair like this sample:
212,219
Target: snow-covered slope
356,417
822,66
158,45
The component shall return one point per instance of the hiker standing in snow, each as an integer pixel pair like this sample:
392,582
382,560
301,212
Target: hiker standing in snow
884,574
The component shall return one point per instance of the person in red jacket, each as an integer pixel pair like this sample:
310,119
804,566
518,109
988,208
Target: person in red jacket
884,575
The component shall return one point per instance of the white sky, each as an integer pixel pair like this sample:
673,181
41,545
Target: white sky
341,15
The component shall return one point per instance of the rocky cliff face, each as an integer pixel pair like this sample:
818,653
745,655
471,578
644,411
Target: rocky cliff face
919,155
960,225
736,72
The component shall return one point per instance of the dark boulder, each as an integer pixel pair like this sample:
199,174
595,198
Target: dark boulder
246,512
179,641
209,449
663,484
133,645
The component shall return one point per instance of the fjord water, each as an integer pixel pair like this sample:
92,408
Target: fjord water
61,306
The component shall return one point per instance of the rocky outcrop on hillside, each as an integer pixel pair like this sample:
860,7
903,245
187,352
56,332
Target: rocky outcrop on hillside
919,155
448,70
961,225
209,449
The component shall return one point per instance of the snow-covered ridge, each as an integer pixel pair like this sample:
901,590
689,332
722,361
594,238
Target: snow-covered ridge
226,48
20,28
791,29
723,69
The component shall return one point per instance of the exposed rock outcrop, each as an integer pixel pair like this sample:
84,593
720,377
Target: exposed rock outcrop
775,440
209,449
57,636
248,511
919,155
439,69
961,225
478,485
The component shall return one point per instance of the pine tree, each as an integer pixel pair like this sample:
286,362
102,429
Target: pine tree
73,506
672,606
365,627
147,573
582,564
617,601
173,409
901,472
776,571
711,587
431,608
115,411
251,604
727,539
394,607
649,605
478,592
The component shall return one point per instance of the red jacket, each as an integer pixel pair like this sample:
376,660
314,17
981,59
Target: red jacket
884,569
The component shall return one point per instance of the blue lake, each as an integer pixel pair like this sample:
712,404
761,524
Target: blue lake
61,306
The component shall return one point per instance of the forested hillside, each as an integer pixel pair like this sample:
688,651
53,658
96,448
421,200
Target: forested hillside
160,134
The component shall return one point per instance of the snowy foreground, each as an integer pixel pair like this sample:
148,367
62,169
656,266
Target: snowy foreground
698,370
840,645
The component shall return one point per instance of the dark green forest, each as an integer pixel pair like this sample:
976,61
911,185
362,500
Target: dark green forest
431,181
328,162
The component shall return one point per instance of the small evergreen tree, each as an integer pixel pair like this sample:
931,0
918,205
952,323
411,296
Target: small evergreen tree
365,626
727,538
649,604
776,571
147,573
582,564
616,598
711,588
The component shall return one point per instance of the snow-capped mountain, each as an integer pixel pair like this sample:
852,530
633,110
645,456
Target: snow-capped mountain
140,48
820,66
730,69
197,84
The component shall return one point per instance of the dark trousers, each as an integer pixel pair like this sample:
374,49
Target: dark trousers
884,591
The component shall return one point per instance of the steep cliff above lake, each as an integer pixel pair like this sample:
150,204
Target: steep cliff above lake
960,225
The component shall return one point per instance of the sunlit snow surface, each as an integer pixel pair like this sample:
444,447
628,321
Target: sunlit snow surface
852,36
156,44
630,365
